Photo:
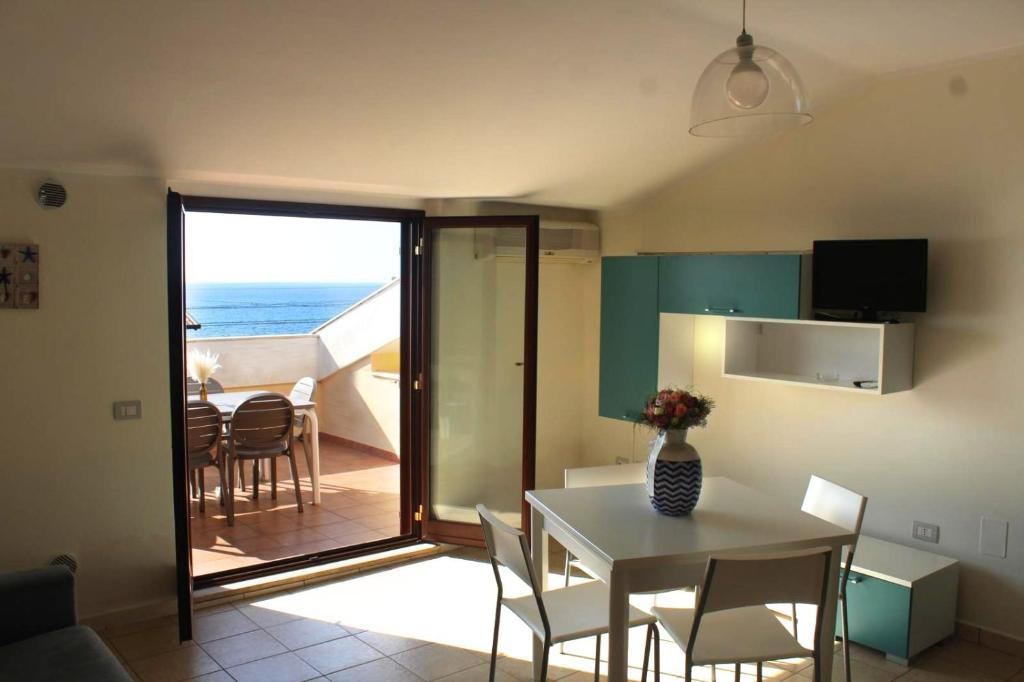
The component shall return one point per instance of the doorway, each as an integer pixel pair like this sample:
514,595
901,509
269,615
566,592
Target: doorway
453,285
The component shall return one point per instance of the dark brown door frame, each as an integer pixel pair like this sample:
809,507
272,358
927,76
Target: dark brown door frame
177,206
465,533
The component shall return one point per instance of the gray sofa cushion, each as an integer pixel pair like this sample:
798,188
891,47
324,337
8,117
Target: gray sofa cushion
72,653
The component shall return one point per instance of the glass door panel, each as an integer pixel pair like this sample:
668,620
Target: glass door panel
481,374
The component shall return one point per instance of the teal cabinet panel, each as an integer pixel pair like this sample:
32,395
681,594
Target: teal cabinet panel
749,285
629,334
879,614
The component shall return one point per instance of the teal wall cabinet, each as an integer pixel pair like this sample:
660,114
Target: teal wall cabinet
747,285
629,334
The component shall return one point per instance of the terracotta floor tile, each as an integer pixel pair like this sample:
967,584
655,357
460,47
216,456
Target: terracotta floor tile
266,529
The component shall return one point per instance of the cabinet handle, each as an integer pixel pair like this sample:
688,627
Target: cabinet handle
721,310
854,579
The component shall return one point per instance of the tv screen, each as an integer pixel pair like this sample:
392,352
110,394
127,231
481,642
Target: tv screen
871,274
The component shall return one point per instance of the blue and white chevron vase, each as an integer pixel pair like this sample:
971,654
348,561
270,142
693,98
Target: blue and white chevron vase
674,474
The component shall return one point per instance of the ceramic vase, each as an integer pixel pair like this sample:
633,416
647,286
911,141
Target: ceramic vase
674,474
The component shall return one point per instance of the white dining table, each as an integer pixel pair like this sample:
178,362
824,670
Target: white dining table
616,534
227,401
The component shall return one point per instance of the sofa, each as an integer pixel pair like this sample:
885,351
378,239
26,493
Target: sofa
40,638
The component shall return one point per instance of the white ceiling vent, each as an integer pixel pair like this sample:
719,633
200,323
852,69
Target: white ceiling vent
560,242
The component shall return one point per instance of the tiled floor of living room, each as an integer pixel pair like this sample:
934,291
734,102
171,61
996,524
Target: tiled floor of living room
360,495
431,620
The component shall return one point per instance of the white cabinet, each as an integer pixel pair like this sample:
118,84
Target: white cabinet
829,355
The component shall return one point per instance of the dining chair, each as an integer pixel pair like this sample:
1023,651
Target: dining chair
557,616
191,386
261,428
844,508
302,392
203,445
588,477
732,623
214,386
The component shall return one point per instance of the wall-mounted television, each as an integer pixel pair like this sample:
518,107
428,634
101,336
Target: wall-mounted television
870,275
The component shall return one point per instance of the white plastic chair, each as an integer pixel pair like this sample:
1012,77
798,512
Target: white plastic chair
844,508
303,391
731,622
559,615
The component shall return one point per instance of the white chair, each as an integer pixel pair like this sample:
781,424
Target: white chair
302,392
731,622
589,477
844,508
559,615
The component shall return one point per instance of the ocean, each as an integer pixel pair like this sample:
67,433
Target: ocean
272,308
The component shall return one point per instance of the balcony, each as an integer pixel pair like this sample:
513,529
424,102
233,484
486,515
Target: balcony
354,358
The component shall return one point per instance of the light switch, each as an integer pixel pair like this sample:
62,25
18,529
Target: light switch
994,533
128,409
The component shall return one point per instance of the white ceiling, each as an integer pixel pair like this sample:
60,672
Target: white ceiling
573,102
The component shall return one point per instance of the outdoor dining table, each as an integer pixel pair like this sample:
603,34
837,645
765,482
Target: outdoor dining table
227,402
616,534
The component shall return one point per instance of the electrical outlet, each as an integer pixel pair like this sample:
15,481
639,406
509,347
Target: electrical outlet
622,460
926,532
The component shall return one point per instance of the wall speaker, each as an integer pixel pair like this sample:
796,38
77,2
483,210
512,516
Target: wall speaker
51,195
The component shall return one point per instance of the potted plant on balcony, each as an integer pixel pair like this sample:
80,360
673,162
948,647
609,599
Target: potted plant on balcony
674,472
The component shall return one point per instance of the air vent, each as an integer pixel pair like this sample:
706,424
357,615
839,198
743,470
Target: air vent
51,195
68,560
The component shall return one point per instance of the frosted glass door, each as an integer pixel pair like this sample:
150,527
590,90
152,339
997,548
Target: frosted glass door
481,372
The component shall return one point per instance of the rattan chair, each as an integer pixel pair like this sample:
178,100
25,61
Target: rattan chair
261,428
203,446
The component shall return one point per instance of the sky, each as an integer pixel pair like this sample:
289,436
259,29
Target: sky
222,247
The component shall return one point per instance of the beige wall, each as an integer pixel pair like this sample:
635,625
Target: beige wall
356,404
75,479
933,154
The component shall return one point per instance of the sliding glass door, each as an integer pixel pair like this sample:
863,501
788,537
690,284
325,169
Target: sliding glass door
480,307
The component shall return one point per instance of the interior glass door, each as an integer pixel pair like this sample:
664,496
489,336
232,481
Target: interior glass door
480,372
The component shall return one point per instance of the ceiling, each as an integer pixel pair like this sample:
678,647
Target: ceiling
572,102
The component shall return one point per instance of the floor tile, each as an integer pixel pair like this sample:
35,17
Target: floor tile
281,668
860,671
180,664
983,659
217,676
243,648
390,645
146,643
437,660
381,670
305,632
480,673
264,613
338,654
210,626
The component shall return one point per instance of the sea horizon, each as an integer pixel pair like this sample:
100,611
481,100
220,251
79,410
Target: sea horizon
269,308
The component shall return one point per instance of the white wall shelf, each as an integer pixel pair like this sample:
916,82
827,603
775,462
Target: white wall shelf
828,355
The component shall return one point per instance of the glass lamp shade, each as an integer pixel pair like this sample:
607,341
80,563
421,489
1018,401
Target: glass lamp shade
748,90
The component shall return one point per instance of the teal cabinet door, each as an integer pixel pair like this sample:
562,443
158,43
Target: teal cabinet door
755,285
879,614
629,334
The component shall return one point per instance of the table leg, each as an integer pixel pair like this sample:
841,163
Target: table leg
311,446
539,554
618,627
827,643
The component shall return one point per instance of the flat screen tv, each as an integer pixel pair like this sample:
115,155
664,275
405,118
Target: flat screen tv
871,275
